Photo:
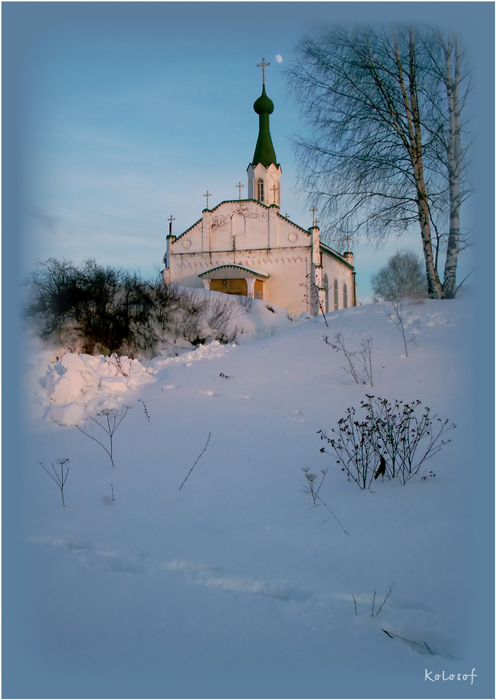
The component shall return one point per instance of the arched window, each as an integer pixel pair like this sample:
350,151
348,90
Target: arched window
260,190
326,290
345,297
336,295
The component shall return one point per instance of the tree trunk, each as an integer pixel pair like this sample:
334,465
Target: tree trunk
454,157
414,146
434,287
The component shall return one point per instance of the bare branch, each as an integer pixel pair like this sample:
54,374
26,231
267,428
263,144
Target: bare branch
196,461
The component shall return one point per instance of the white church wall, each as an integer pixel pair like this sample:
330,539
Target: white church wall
335,270
286,286
248,234
287,282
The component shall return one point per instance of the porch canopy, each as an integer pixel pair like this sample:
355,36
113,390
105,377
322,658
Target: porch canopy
234,279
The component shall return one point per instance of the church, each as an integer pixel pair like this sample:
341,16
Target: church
247,247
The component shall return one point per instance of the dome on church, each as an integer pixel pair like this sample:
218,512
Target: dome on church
264,104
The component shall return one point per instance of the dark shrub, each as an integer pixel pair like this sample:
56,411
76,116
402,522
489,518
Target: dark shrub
96,309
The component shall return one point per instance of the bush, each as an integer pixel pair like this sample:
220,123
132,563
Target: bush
403,276
94,308
105,310
359,362
392,440
59,474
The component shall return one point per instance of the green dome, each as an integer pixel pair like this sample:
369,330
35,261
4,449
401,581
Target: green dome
264,104
264,150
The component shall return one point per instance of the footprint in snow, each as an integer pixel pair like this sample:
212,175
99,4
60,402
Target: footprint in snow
115,562
189,567
279,591
298,417
67,543
118,564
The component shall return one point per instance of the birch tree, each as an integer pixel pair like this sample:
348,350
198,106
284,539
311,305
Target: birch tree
384,152
445,62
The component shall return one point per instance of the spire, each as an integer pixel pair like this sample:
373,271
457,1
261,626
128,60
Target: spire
264,150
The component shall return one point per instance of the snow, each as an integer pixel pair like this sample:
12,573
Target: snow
232,586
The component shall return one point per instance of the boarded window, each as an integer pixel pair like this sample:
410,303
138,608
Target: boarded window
238,224
233,286
336,295
258,289
326,290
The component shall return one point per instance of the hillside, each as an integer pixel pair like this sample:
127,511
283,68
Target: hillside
232,585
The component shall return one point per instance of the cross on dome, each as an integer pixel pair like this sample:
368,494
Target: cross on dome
263,66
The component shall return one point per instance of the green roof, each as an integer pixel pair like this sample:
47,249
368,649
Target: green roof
264,150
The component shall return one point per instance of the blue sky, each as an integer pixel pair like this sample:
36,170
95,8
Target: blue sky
129,112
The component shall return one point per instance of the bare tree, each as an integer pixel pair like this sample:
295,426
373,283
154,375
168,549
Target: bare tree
378,155
401,277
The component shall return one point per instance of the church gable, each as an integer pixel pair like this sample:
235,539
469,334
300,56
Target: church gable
190,241
240,225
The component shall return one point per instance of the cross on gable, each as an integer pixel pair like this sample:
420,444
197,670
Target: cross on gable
239,186
314,211
207,195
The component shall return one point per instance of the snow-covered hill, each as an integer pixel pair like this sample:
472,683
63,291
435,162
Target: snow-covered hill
231,586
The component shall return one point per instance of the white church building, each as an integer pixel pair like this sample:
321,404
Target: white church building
247,247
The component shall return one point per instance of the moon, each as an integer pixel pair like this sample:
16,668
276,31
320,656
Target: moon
279,58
